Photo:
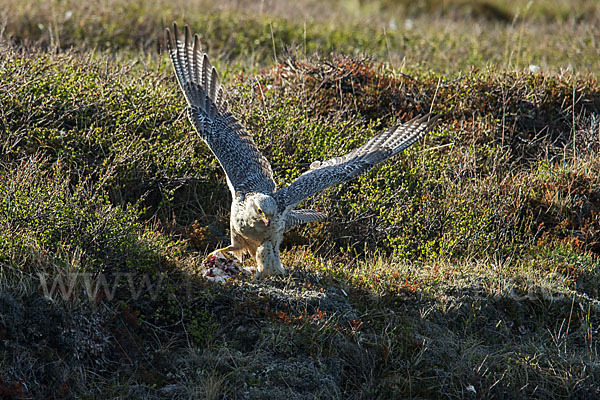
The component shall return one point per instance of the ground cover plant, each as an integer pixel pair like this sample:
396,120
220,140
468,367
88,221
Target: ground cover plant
466,268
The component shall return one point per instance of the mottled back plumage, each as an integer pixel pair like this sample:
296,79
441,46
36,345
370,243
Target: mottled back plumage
259,214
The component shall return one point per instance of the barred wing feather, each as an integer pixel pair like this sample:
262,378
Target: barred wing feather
323,174
299,217
246,168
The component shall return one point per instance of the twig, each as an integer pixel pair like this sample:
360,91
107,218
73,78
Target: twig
273,41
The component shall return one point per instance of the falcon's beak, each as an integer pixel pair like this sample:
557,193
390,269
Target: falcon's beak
267,221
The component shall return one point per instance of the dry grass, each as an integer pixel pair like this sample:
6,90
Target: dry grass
444,36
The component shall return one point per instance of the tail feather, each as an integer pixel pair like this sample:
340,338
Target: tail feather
299,217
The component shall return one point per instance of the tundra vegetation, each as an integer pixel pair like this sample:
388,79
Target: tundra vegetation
468,267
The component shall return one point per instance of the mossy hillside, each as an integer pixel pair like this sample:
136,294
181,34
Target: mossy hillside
489,277
123,132
42,213
128,135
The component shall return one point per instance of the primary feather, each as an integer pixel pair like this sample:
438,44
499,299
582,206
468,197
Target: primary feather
323,174
246,168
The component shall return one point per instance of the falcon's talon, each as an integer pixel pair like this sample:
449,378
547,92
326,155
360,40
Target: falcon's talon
260,214
219,253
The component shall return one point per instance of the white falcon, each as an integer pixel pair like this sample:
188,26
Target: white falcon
260,214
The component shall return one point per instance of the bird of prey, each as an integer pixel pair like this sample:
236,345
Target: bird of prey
260,214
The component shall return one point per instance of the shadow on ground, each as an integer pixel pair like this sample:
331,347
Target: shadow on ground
305,335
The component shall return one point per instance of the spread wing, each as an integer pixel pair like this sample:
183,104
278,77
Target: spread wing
246,168
323,174
298,217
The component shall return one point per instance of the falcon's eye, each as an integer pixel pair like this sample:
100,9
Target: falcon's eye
260,211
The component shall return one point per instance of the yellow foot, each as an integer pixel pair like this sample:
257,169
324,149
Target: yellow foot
223,252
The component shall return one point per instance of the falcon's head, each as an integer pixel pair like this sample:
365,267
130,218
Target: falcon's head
262,207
